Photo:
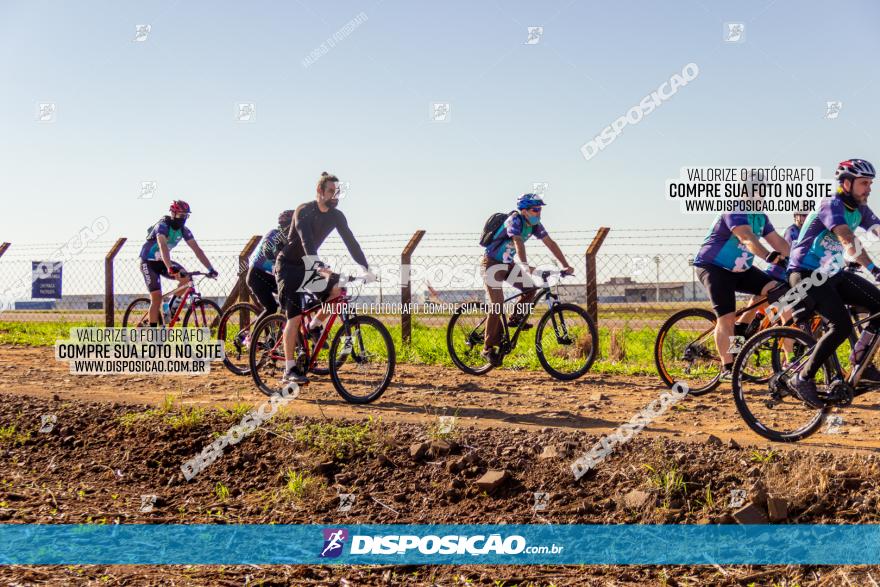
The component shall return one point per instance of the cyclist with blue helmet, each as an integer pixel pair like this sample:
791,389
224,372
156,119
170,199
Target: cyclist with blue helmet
498,266
826,235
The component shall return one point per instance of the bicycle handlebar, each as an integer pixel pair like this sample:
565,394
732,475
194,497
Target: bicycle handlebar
196,274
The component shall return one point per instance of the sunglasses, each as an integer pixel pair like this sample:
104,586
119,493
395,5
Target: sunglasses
536,209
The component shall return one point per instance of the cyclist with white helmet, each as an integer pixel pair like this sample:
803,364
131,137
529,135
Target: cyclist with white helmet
261,276
155,254
826,235
498,266
791,233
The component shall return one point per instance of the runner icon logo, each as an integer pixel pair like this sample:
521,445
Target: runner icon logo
334,540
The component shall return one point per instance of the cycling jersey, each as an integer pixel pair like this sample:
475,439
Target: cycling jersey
791,234
150,250
268,250
308,230
817,246
502,248
722,249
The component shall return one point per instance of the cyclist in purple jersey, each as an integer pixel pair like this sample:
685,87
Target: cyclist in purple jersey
792,232
156,255
818,255
724,265
260,277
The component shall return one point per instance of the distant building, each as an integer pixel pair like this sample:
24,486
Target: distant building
626,290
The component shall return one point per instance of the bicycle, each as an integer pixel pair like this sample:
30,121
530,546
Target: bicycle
200,312
361,358
684,350
766,406
566,337
235,330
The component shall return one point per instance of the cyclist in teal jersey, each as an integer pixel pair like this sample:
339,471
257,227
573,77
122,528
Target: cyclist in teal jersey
155,256
498,266
724,265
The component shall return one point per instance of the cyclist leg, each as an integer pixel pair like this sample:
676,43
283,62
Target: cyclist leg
858,291
331,290
828,303
494,274
264,287
290,280
522,281
151,274
720,284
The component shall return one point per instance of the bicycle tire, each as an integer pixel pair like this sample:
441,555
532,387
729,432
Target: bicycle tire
254,363
450,345
662,333
739,399
594,341
203,303
221,335
127,317
357,321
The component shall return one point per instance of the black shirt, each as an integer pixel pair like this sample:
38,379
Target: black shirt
309,229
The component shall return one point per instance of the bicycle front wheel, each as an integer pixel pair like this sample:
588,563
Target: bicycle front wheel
685,352
764,399
235,333
566,341
137,314
362,359
203,313
464,339
266,354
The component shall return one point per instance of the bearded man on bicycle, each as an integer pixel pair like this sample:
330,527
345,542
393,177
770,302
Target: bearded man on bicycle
825,236
498,266
312,223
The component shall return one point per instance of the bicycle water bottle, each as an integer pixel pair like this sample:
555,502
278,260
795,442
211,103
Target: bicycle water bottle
862,345
166,311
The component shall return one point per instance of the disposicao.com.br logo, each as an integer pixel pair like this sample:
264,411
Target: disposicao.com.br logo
409,544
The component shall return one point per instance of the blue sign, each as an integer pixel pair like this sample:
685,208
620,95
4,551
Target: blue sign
617,544
46,279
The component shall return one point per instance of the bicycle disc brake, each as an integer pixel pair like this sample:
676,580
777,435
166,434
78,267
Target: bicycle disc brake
840,393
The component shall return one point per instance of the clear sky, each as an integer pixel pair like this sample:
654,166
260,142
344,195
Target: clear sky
164,109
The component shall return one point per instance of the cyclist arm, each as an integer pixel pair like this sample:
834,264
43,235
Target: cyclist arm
165,252
852,246
354,248
778,243
200,254
520,247
557,252
747,237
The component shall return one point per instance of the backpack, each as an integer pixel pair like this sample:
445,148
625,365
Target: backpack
493,223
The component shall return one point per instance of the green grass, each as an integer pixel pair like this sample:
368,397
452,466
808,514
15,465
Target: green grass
37,333
340,441
298,485
9,435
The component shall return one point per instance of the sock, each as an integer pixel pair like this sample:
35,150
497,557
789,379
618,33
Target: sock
289,364
154,324
316,323
728,366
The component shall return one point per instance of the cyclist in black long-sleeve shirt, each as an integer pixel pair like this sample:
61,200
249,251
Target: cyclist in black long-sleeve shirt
312,223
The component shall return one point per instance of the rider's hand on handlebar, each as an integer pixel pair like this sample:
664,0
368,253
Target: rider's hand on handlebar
212,274
566,271
369,277
876,273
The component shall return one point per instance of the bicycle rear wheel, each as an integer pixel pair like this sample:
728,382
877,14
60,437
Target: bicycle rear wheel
566,341
685,351
266,354
362,359
235,333
765,400
464,339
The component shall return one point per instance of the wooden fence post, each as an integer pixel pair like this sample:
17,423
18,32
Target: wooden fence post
406,286
592,277
3,247
109,299
240,289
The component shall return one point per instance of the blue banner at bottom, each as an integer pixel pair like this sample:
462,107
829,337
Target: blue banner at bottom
162,544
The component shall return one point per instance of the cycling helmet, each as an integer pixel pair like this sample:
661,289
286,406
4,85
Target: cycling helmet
854,168
179,207
285,218
529,200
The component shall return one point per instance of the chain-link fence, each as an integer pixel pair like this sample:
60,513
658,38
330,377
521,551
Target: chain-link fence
640,277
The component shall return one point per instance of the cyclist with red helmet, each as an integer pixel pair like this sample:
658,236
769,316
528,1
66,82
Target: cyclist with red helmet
498,266
261,277
155,254
826,235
